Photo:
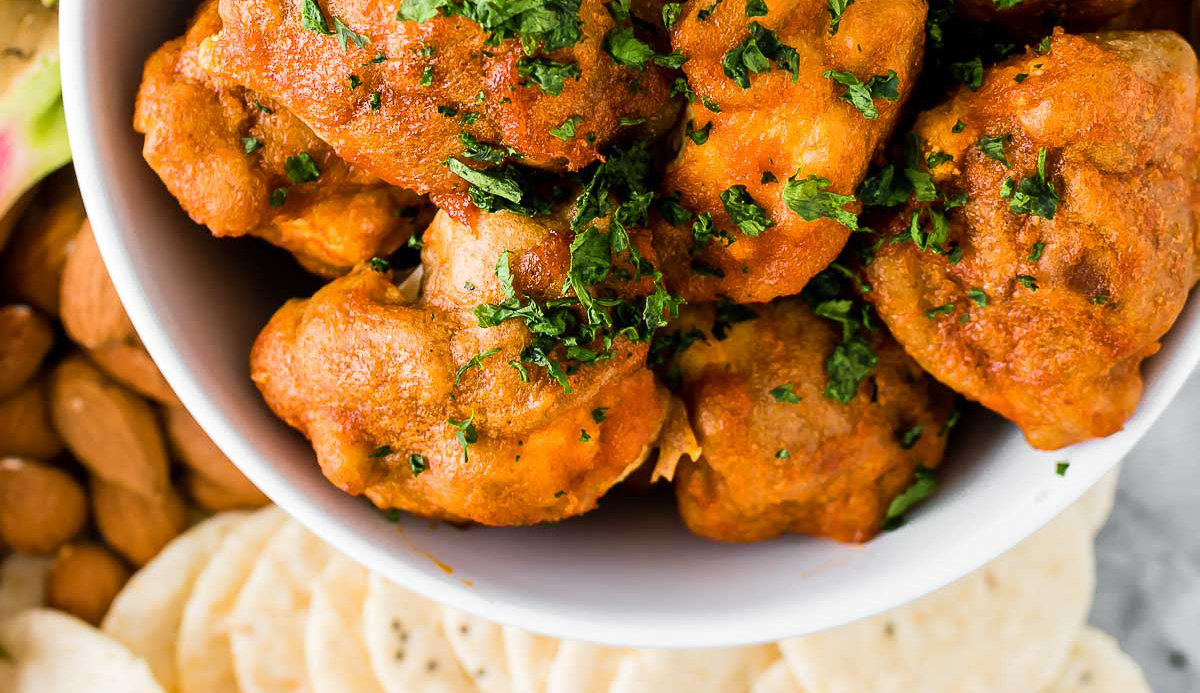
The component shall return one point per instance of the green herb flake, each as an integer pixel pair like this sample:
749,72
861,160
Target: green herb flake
698,136
549,75
627,49
599,414
705,13
811,199
251,145
969,72
355,82
1043,46
447,111
522,371
937,159
1100,299
1035,194
1020,77
749,216
1060,468
312,18
1028,282
784,393
978,295
378,264
417,464
923,486
346,36
755,54
427,76
959,126
465,433
670,14
756,8
583,435
381,451
993,148
278,197
862,95
375,101
301,168
474,361
625,122
782,454
768,178
1036,250
910,437
265,109
566,130
935,312
836,9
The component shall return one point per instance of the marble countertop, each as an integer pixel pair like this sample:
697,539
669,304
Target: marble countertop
1148,555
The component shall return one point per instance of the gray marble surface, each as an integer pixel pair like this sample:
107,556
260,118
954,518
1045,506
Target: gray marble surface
1148,555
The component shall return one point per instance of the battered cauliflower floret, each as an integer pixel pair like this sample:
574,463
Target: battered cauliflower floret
402,97
1077,244
779,454
796,98
240,164
411,402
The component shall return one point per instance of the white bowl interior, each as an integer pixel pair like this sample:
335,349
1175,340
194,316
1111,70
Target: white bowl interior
628,573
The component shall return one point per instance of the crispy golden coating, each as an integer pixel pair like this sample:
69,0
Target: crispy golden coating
784,127
1077,14
196,127
372,377
1047,320
390,124
843,464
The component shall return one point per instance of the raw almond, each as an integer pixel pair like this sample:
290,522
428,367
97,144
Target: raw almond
90,309
195,449
40,506
84,579
32,264
25,337
216,498
129,364
113,432
9,221
25,426
136,526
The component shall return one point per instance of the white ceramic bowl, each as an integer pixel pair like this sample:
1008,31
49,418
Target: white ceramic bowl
628,573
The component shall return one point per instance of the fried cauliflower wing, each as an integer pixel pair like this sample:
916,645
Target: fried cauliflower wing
412,403
793,117
240,164
1077,244
393,96
778,454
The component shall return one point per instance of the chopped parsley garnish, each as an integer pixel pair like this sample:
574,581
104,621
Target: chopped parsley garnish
265,109
1006,4
251,145
566,130
784,393
346,36
707,12
548,74
379,57
670,14
1100,299
910,437
782,454
832,295
583,435
381,451
929,239
546,25
1060,468
959,126
756,8
465,433
993,147
473,362
355,82
811,199
944,309
559,494
698,136
1036,250
680,87
1021,78
924,485
969,72
1043,46
482,151
522,371
767,178
498,188
312,18
599,414
624,122
1028,282
755,54
427,76
301,168
749,216
727,314
378,264
836,9
675,213
978,295
937,159
278,197
417,464
862,95
627,49
1033,194
375,101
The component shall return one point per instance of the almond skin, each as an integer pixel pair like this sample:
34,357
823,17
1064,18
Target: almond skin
84,579
25,338
129,364
32,265
90,309
216,498
114,433
193,447
135,526
25,426
40,507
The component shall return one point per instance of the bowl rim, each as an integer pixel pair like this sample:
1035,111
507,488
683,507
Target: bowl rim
99,190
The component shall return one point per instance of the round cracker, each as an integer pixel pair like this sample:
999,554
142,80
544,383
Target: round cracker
528,658
1097,665
267,624
203,660
334,650
146,614
1097,503
479,646
1007,628
776,679
408,649
51,652
581,667
723,670
22,583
